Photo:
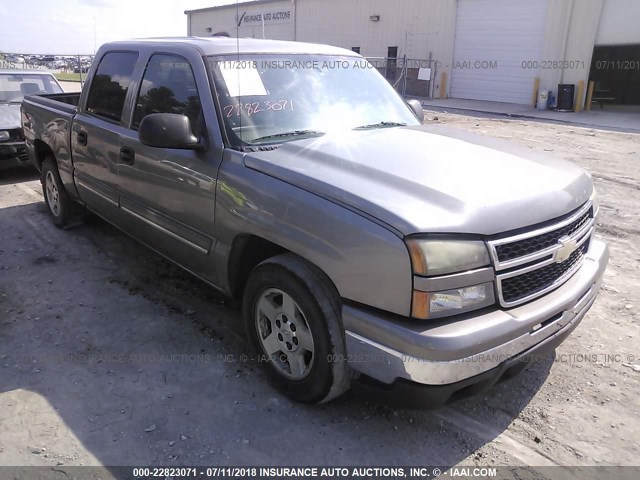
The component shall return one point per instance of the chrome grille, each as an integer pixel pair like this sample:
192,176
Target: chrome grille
521,286
531,264
509,251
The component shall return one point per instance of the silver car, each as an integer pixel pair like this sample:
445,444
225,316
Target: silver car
14,85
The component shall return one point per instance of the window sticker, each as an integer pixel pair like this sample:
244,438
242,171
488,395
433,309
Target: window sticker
242,79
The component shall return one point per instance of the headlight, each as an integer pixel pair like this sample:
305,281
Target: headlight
451,302
439,257
4,136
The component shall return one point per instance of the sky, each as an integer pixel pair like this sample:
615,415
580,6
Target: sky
66,27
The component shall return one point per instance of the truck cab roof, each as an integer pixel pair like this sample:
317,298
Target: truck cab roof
229,46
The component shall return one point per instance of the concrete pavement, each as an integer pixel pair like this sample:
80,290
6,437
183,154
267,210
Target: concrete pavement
610,118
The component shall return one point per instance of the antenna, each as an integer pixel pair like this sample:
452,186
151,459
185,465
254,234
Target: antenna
239,20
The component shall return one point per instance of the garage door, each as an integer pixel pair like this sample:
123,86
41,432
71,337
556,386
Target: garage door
493,38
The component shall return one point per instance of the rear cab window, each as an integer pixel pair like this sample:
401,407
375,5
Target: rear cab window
110,85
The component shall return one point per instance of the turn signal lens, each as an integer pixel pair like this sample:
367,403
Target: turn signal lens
450,302
420,305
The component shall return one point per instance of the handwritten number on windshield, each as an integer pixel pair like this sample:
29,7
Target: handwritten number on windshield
252,108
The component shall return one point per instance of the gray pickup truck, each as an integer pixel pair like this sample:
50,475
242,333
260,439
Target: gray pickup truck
362,244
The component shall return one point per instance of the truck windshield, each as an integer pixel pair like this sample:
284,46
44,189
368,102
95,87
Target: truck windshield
14,86
276,98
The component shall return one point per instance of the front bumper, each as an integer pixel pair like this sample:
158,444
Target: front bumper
389,348
13,154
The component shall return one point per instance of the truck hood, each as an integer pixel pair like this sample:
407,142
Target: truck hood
9,115
431,178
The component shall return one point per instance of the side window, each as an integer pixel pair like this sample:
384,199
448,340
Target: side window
110,84
168,86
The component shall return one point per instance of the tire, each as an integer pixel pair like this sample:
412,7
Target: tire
304,356
61,206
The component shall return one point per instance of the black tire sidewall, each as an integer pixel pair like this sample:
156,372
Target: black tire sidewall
323,323
50,166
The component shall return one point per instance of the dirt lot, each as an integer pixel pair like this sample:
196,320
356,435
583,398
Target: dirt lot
110,355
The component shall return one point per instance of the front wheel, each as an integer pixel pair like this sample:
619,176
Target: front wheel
293,319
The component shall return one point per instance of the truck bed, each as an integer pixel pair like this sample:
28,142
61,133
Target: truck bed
50,119
65,102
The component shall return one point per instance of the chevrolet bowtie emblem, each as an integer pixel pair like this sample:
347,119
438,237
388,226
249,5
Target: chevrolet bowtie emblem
567,247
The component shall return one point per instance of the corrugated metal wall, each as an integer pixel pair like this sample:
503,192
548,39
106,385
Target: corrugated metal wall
422,27
415,27
419,28
225,20
570,35
619,24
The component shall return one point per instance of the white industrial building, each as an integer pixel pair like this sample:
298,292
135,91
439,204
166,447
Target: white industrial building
498,50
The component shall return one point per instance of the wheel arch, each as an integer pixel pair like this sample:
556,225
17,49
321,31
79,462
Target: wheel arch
42,150
248,251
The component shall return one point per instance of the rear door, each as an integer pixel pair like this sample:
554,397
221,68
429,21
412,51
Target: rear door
168,195
95,137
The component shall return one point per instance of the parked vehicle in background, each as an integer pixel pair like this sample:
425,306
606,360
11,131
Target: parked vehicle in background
81,68
293,177
14,59
14,85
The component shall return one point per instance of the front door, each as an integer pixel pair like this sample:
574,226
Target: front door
168,195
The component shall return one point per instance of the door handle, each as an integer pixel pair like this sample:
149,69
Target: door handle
82,137
127,155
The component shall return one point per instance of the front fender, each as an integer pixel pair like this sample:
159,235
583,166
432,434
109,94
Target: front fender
366,262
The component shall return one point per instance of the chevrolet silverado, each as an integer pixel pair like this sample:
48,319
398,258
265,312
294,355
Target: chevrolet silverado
361,244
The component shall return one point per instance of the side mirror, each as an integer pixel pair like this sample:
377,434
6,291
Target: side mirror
168,130
416,108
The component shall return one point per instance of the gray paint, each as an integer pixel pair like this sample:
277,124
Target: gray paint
425,179
357,254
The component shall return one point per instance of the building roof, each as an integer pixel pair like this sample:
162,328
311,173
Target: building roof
231,4
232,45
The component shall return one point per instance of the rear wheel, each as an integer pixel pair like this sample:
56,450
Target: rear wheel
61,206
292,315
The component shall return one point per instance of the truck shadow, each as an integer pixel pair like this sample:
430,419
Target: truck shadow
18,175
112,355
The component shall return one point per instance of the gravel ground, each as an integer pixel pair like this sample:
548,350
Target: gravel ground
110,355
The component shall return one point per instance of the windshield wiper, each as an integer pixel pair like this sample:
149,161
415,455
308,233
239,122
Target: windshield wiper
293,133
381,125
